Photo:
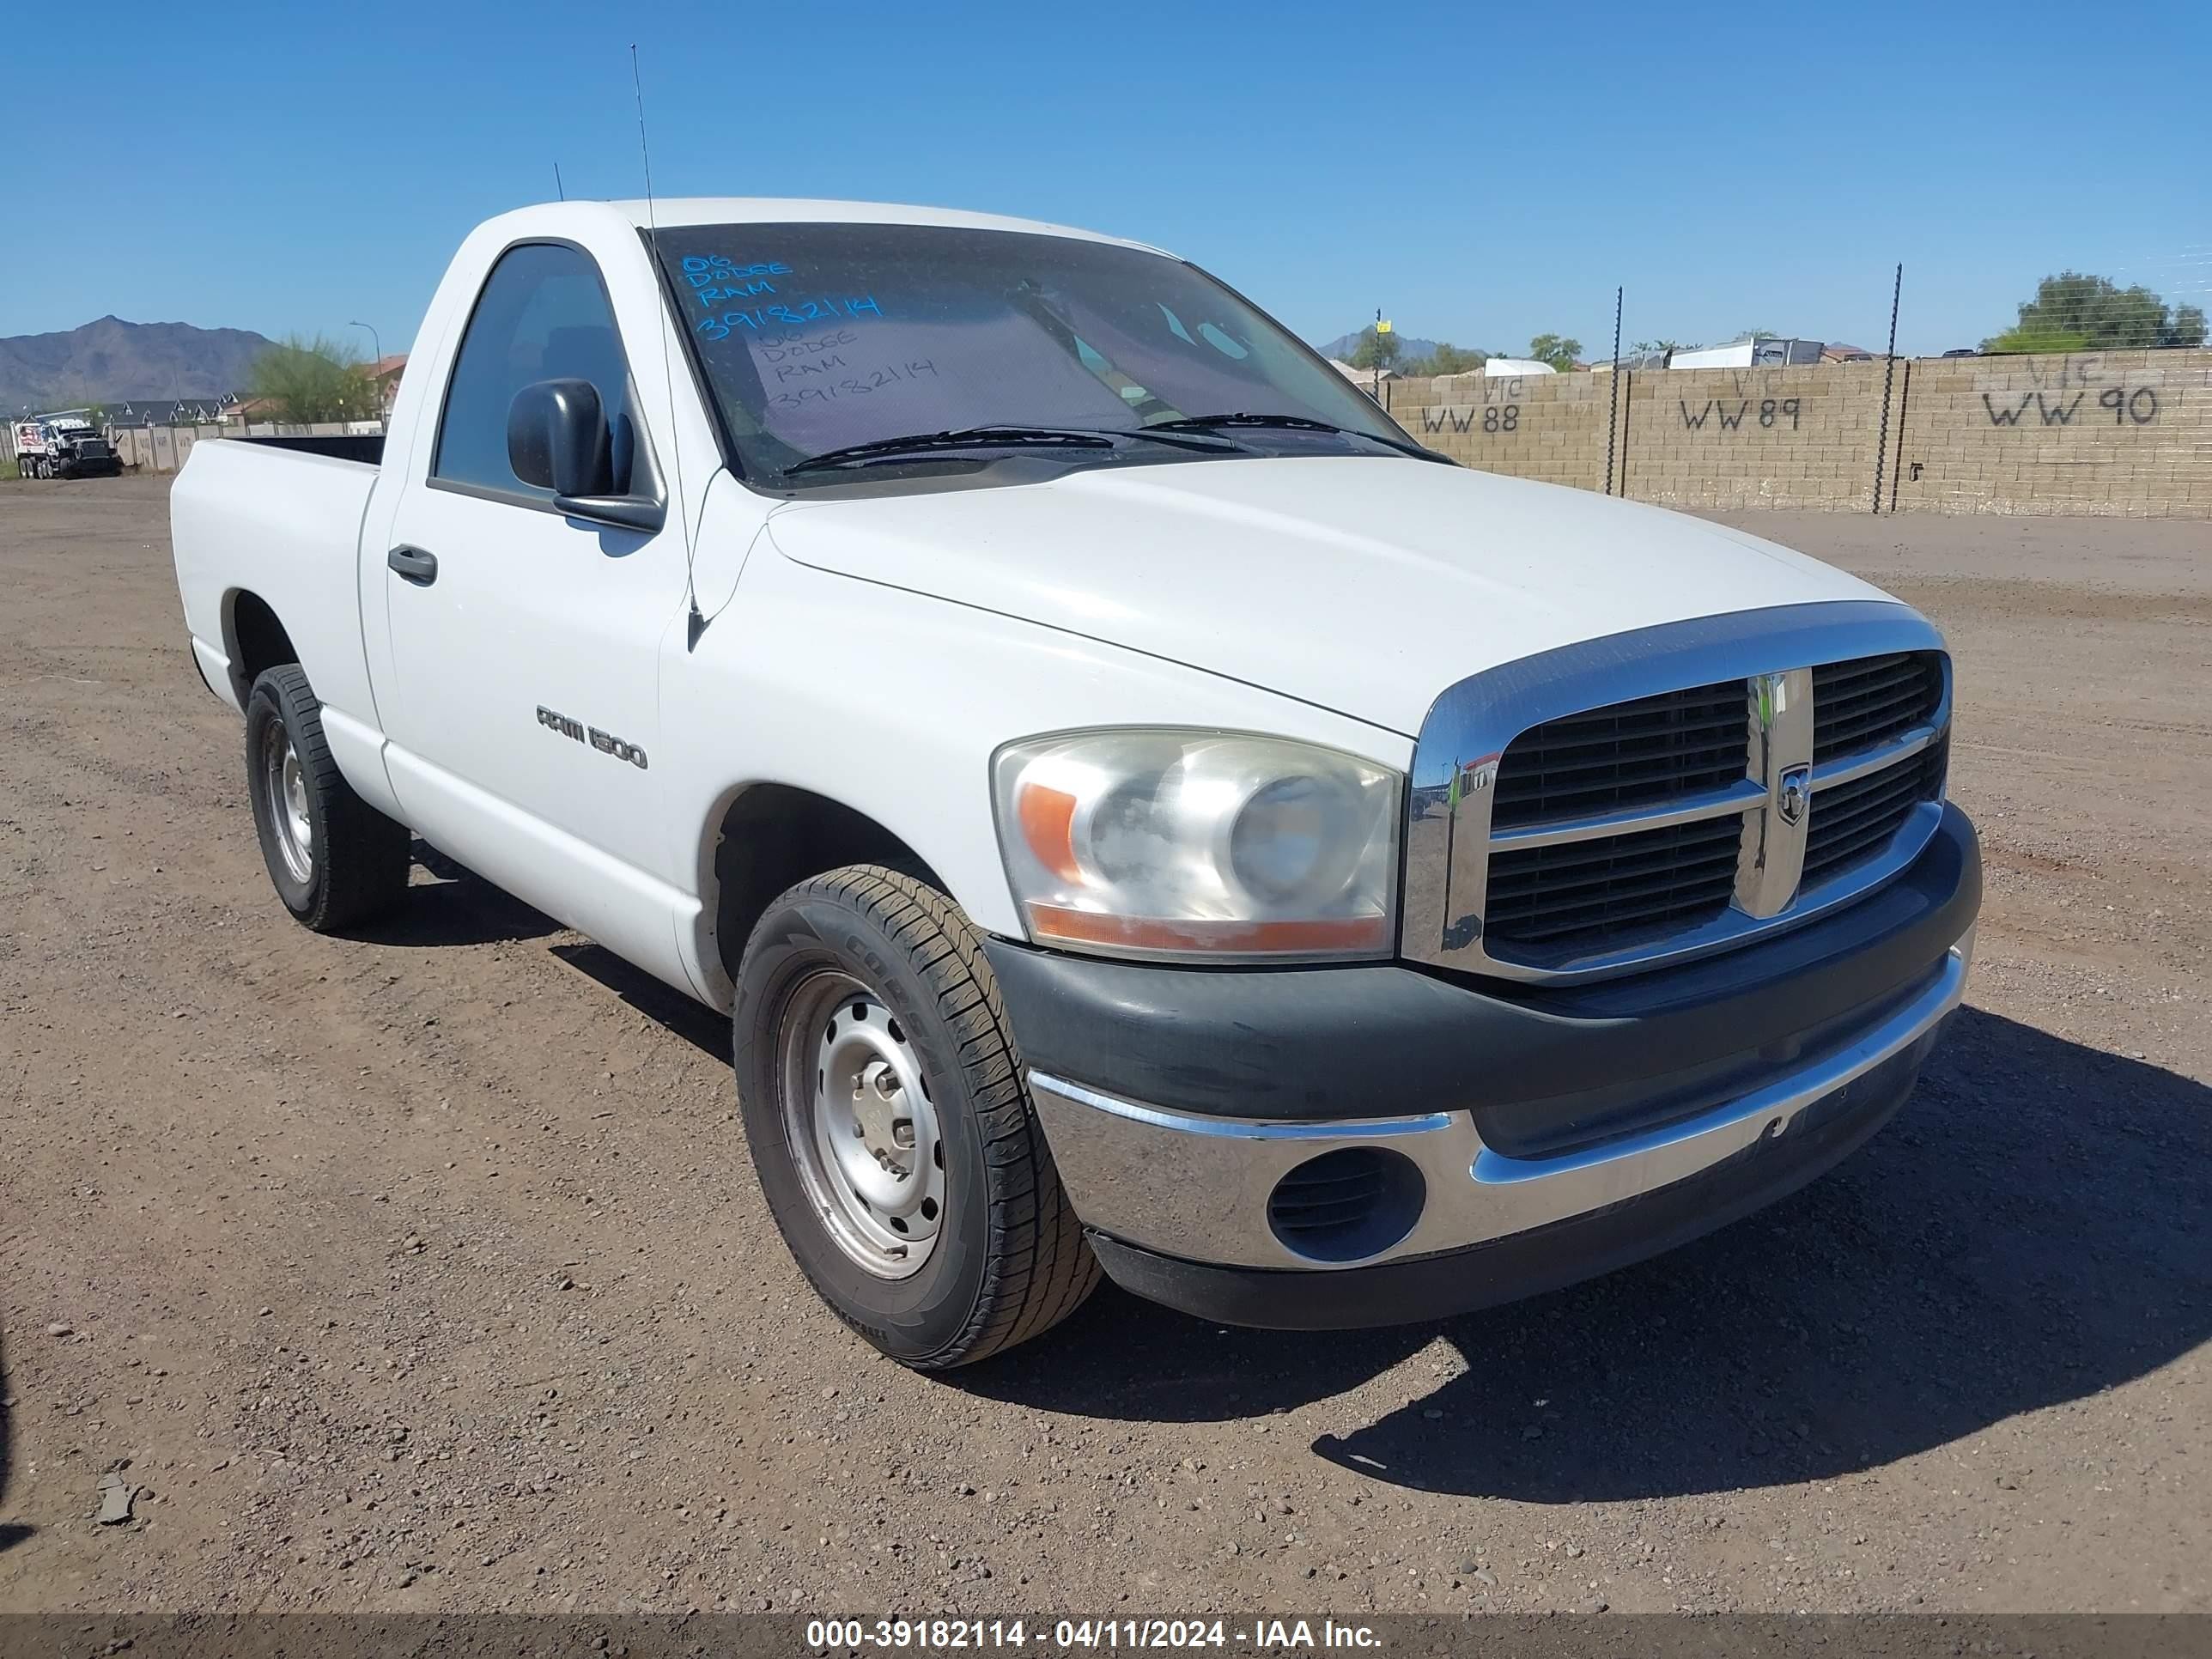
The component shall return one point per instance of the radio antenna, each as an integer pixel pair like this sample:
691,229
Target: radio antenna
695,624
557,189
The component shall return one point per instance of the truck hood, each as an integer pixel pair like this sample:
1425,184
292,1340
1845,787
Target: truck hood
1363,586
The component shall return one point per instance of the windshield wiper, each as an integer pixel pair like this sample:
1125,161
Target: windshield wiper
1153,435
1294,423
978,437
972,437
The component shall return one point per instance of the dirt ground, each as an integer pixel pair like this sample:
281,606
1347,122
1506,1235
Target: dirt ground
425,1270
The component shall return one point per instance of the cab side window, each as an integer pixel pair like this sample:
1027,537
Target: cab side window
544,314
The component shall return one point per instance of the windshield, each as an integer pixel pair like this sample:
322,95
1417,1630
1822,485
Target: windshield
816,338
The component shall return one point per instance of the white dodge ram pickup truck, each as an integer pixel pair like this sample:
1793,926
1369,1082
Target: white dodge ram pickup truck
1140,809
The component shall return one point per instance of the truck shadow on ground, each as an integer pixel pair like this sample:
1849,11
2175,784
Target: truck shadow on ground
456,906
696,1024
12,1533
2030,1230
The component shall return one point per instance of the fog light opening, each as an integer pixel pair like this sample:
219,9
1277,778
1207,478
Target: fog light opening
1347,1205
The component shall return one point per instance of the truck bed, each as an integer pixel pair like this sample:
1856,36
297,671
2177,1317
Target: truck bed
368,449
280,519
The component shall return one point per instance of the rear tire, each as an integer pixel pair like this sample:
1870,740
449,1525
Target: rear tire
890,1125
334,860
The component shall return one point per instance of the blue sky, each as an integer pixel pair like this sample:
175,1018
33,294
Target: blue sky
1480,172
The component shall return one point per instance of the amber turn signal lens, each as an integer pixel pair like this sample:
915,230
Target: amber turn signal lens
1058,921
1048,825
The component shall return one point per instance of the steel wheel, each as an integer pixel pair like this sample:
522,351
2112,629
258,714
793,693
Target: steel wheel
862,1130
284,787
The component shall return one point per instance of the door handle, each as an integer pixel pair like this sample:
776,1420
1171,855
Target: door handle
413,563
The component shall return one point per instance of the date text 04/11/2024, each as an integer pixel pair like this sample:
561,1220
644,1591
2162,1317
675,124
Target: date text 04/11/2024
1292,1635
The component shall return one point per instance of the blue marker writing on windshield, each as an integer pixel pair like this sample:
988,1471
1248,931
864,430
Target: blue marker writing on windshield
791,313
701,269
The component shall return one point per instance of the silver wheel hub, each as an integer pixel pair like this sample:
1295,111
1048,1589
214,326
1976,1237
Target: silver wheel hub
284,785
862,1129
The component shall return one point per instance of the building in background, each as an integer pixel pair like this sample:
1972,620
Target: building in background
386,372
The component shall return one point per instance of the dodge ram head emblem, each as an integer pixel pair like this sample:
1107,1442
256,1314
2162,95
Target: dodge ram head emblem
1793,793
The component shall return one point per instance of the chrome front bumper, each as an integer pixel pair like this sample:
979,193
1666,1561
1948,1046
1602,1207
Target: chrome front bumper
1197,1189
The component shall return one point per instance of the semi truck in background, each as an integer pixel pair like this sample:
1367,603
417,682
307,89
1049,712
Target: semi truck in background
64,446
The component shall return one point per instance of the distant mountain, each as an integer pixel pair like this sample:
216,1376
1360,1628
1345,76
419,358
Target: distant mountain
112,360
1343,345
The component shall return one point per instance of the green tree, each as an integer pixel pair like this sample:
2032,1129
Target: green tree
2017,338
1376,350
1558,351
2074,312
305,379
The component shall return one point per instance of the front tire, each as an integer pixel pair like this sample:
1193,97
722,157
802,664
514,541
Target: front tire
334,860
890,1125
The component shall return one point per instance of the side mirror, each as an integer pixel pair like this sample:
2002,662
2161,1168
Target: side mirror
557,439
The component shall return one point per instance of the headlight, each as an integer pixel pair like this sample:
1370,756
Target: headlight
1163,843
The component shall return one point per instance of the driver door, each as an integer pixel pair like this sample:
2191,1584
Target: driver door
525,642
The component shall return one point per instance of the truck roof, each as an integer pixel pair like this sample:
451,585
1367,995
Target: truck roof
780,209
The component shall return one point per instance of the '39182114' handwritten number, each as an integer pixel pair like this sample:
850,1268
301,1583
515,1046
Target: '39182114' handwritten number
790,313
854,385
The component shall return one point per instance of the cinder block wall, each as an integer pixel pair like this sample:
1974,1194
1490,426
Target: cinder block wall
1754,437
2121,433
1550,427
2106,433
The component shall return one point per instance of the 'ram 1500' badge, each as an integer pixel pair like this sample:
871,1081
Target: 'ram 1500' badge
605,742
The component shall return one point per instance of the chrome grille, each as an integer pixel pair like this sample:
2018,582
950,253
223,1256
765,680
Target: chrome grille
1605,807
1632,754
1654,880
1853,822
1873,701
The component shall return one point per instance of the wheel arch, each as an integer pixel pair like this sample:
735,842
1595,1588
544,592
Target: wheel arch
762,837
253,638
